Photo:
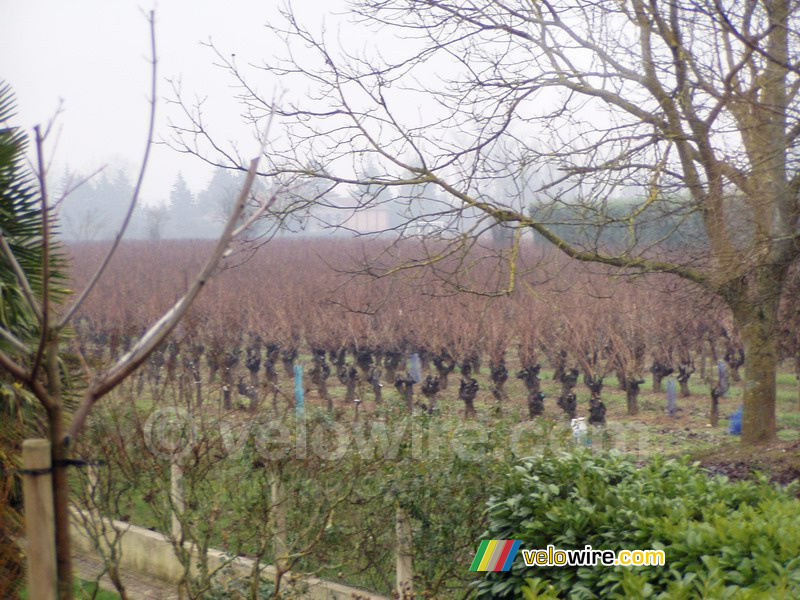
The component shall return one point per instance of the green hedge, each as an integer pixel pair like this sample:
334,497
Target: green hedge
722,539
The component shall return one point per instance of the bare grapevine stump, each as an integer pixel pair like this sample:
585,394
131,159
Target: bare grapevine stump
467,391
597,412
374,380
405,386
684,373
445,365
430,388
499,376
660,371
530,377
535,404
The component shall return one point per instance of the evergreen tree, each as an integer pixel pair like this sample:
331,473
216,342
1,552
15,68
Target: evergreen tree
185,218
95,210
219,194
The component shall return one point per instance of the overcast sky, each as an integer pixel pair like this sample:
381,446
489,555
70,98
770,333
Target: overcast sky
93,56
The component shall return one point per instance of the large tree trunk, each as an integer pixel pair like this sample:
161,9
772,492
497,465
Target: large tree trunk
757,325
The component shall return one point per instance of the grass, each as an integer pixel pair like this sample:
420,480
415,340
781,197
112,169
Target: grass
655,432
685,433
84,590
788,379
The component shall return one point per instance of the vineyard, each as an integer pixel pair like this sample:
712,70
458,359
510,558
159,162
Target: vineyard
499,276
314,302
417,397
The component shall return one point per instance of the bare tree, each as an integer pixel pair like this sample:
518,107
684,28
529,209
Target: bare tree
628,350
649,136
37,364
155,218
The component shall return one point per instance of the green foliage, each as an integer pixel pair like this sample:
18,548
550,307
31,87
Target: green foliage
21,229
439,473
671,229
84,590
21,226
443,487
722,539
20,223
341,506
538,589
239,589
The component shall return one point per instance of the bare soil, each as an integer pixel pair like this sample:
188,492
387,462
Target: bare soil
779,460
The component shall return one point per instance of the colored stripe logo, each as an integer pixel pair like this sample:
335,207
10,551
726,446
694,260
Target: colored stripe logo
495,555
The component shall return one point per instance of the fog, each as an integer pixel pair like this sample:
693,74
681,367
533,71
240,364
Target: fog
88,61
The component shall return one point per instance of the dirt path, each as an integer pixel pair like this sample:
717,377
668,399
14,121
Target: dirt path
137,585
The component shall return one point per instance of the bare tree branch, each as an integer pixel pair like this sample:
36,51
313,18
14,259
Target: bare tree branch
70,312
164,326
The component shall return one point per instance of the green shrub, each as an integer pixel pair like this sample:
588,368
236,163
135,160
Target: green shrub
722,539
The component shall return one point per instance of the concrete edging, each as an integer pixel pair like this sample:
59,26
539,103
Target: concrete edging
151,553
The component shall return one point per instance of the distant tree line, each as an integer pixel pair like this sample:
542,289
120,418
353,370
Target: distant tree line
95,209
677,229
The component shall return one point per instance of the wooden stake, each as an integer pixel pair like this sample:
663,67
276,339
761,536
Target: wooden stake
404,555
176,495
37,489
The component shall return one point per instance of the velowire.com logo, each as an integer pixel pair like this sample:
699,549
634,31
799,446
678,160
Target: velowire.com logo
495,555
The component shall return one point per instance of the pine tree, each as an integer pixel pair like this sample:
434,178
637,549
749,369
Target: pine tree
184,214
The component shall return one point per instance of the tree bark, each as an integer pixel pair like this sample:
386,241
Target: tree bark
408,393
714,413
632,385
59,454
469,409
757,325
631,396
657,389
61,502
